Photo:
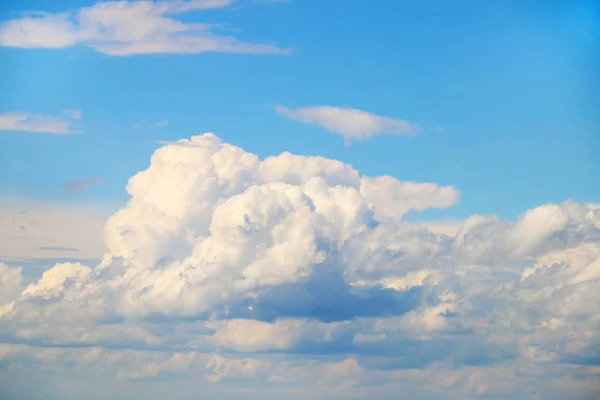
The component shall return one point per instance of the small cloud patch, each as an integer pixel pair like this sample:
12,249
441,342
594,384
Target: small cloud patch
81,185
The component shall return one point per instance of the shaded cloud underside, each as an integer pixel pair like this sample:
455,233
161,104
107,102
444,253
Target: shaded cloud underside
297,271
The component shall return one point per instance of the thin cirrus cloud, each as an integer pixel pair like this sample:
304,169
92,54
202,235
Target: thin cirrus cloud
350,123
120,28
73,114
143,124
34,122
82,184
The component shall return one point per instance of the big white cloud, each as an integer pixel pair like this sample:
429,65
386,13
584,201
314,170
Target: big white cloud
238,269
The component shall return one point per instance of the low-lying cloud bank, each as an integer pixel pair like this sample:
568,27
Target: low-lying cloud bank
297,271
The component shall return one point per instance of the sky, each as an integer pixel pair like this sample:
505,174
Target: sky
291,198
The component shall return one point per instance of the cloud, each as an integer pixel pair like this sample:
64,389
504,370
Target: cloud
73,114
83,184
10,282
447,227
31,229
299,272
392,198
120,28
58,248
138,125
142,124
350,123
27,122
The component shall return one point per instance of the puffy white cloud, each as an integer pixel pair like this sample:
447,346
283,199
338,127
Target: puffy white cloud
309,269
554,226
54,281
29,122
121,28
540,230
256,335
350,123
393,198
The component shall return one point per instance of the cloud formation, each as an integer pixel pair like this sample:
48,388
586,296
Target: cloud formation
350,123
32,230
299,272
122,28
28,122
82,184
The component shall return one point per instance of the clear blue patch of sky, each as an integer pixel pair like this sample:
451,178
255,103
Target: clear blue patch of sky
514,83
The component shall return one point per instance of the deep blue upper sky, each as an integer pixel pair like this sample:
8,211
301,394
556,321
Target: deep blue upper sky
514,84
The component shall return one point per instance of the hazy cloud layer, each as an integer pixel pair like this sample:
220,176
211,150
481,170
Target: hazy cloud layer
120,28
350,123
34,230
226,271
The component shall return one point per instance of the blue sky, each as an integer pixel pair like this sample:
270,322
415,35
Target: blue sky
290,199
511,83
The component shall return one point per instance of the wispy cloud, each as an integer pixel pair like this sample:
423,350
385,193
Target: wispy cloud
120,28
83,184
143,124
29,122
57,248
73,114
138,125
350,123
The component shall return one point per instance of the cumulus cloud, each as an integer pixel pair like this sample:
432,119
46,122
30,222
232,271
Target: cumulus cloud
392,198
350,123
296,271
28,122
121,28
